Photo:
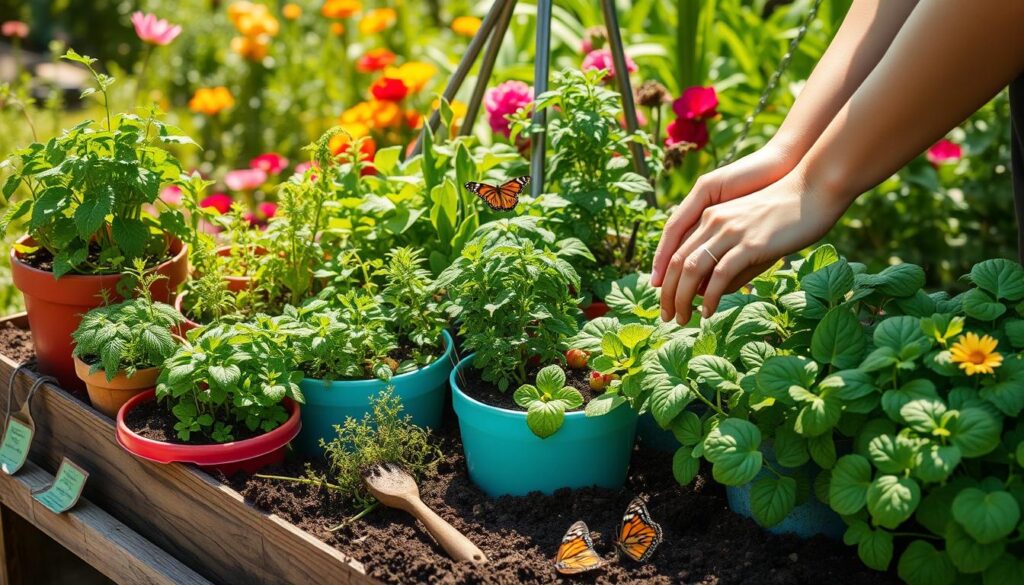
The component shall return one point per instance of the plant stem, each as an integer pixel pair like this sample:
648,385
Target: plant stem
710,404
302,480
358,516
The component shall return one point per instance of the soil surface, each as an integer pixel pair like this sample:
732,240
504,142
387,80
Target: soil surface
42,259
486,392
152,420
16,343
703,541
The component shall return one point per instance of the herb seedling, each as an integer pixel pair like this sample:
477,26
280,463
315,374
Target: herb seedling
547,402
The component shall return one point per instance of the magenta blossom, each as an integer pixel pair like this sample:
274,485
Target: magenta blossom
171,195
503,101
944,151
266,210
683,130
602,59
245,179
14,29
697,103
153,30
271,163
221,202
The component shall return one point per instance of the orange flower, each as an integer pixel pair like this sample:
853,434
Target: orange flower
337,29
253,20
466,25
211,100
291,11
237,9
414,74
341,8
251,48
375,60
377,20
385,114
361,113
413,119
341,143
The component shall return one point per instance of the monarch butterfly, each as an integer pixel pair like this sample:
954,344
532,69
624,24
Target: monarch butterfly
503,198
576,554
638,535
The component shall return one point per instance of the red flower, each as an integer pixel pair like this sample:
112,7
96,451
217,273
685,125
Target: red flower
375,60
221,202
270,163
697,103
944,151
389,89
683,130
266,210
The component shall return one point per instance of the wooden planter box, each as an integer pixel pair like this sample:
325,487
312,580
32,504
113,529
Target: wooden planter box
196,519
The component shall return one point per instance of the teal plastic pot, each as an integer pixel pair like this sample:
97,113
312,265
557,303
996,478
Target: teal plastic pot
505,458
329,403
651,436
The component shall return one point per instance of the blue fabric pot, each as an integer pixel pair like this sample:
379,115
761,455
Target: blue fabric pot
505,457
329,403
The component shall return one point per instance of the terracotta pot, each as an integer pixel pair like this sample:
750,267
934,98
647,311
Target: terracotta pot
188,324
107,396
247,456
595,309
239,283
55,305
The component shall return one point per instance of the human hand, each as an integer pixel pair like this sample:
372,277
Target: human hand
746,235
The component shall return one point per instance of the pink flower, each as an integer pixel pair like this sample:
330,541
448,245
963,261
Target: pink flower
683,130
171,195
153,30
697,103
270,163
245,179
602,59
266,210
505,100
944,151
14,29
221,202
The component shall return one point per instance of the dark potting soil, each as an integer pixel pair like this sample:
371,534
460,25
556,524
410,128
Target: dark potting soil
152,420
42,259
473,384
16,343
703,541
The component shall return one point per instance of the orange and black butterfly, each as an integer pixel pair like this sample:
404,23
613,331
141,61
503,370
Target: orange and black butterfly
503,198
576,554
638,535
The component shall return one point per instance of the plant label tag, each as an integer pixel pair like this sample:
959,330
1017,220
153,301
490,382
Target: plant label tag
66,489
15,445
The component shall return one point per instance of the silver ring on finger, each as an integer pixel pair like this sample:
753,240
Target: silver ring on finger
709,253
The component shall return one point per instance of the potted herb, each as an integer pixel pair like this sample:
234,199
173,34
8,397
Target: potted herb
120,349
228,400
352,345
523,432
84,214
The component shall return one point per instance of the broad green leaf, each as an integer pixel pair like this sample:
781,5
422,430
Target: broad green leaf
780,373
544,418
772,499
924,415
754,320
979,305
892,500
668,382
874,547
848,385
942,326
687,428
604,404
818,416
716,371
1002,278
819,258
879,359
91,213
130,235
830,283
892,454
550,379
684,465
848,485
902,334
838,339
934,463
612,346
754,354
935,512
790,448
1015,332
801,305
894,400
634,334
569,397
1007,393
986,516
1006,570
900,280
732,448
823,450
969,555
921,564
590,336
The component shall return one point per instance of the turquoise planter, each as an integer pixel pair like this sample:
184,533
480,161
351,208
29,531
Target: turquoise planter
652,436
330,403
505,458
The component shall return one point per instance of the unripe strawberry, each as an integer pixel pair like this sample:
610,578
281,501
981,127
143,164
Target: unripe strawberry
597,381
391,363
577,358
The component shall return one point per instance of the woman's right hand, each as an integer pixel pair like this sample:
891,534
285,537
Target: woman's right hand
738,179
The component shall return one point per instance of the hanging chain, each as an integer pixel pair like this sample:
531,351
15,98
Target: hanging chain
773,81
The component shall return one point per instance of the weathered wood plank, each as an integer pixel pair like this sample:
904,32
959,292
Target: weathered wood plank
94,536
184,511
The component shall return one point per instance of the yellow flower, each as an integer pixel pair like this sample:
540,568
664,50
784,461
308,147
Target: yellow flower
377,20
385,114
466,25
253,20
251,48
292,11
341,8
414,74
211,100
361,113
237,9
976,355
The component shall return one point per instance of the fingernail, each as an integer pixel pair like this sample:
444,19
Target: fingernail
682,322
655,275
665,316
704,312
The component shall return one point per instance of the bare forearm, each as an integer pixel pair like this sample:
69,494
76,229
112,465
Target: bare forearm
948,59
867,31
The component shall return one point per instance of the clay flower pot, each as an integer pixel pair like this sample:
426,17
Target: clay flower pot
239,283
107,396
247,456
55,305
188,324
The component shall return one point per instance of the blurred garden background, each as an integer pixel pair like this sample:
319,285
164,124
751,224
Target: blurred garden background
252,82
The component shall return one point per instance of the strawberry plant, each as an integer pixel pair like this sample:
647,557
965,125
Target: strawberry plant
547,401
88,188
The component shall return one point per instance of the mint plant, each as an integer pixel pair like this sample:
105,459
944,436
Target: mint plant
127,336
229,375
88,186
547,402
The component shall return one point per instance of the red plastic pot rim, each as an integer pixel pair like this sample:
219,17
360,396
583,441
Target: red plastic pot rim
205,455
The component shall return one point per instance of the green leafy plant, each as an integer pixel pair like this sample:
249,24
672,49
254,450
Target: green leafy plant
512,301
88,188
547,402
229,375
127,336
208,298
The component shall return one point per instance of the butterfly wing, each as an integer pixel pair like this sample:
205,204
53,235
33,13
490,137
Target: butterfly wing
638,535
576,554
503,198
